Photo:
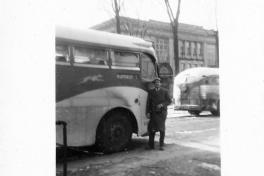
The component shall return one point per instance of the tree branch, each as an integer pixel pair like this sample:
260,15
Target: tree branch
113,6
178,11
169,11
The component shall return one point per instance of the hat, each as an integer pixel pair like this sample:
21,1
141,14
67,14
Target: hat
155,79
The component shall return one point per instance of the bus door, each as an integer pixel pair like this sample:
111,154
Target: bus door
126,87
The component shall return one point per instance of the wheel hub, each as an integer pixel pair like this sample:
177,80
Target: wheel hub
116,132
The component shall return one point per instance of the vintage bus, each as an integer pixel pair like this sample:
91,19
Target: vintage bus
197,90
101,87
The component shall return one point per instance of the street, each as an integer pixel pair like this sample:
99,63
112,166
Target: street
192,147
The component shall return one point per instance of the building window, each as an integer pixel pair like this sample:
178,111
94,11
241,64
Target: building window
193,49
180,47
186,43
199,50
162,49
211,54
189,49
183,49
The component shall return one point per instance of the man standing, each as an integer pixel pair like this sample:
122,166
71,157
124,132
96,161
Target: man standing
158,100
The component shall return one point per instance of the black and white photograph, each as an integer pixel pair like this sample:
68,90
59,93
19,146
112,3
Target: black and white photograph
132,88
137,73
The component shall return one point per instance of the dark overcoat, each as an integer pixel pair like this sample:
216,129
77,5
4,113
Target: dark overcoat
157,115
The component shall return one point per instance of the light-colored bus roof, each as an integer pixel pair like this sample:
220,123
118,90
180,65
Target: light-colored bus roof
103,38
195,74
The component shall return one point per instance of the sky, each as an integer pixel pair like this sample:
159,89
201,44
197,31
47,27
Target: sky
87,13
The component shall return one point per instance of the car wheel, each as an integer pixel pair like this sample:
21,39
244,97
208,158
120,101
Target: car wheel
194,112
217,111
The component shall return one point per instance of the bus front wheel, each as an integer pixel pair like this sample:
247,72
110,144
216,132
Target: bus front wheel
114,133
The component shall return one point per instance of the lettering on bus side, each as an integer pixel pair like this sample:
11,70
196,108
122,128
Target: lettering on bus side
125,76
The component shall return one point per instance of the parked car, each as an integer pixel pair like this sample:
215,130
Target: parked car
197,90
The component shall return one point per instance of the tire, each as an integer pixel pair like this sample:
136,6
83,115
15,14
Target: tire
114,133
194,112
217,111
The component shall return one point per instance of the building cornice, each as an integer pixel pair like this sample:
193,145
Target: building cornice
159,26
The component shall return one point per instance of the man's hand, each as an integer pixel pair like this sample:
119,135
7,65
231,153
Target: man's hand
159,106
148,115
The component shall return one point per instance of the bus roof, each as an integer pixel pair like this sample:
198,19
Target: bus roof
104,38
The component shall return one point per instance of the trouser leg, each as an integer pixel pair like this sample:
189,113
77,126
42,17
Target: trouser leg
151,139
162,136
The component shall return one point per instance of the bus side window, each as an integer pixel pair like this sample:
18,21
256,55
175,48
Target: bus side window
92,56
125,59
148,72
62,53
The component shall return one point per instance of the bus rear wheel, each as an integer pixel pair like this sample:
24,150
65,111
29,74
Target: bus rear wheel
114,133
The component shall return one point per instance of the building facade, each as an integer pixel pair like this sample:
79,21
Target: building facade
197,46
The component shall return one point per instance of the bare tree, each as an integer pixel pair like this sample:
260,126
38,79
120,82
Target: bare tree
174,21
116,5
